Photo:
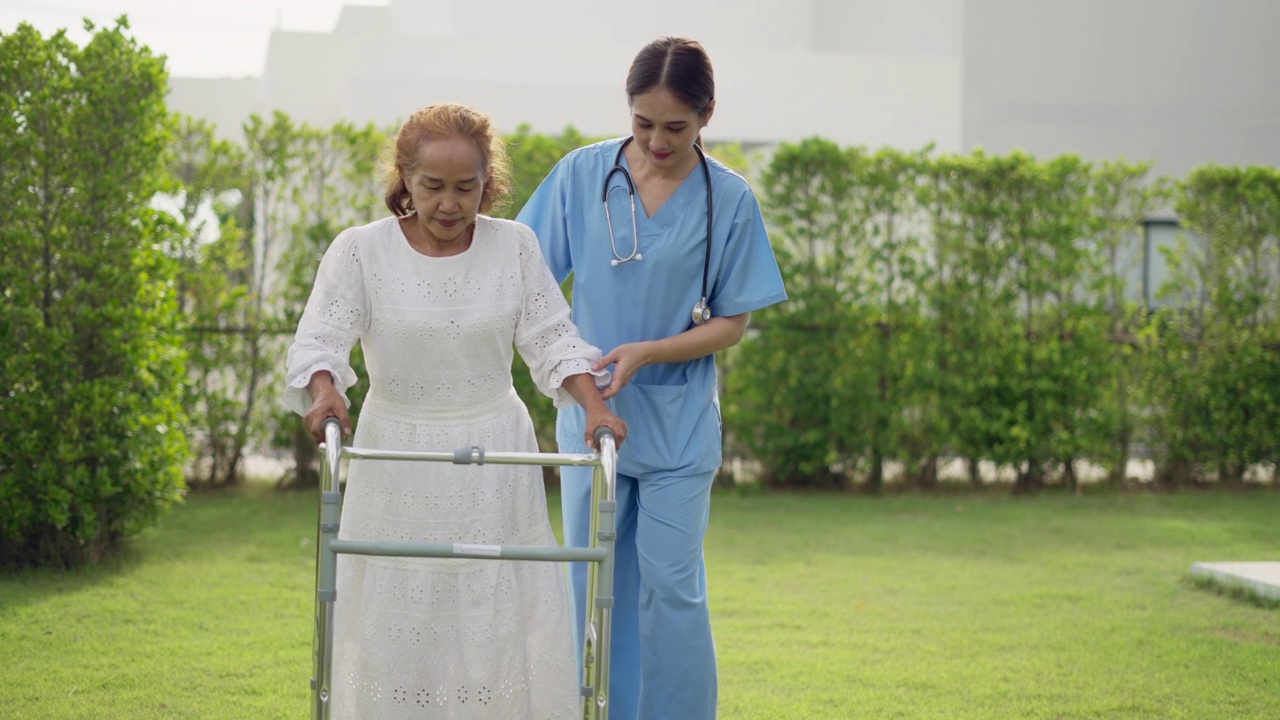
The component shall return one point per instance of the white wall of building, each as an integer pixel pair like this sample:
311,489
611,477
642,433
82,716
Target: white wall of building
854,71
1178,82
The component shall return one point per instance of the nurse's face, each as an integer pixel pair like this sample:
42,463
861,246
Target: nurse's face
665,129
446,183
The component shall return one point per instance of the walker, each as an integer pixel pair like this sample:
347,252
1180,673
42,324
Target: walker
596,632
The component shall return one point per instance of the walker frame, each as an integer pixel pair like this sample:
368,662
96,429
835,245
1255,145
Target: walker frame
596,635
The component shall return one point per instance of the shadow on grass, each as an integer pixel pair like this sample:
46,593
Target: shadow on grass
33,585
204,526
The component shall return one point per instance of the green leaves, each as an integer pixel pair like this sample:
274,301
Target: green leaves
980,307
1214,367
819,392
93,365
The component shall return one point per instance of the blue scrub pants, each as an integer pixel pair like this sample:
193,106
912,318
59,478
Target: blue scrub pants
663,657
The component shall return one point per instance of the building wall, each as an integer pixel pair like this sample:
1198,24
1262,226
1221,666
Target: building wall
854,71
225,102
1177,82
931,28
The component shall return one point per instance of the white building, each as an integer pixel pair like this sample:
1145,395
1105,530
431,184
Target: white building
1179,82
872,72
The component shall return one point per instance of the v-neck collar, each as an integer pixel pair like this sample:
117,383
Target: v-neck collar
662,217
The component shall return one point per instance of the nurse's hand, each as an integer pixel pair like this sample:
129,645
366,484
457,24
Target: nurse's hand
626,360
698,341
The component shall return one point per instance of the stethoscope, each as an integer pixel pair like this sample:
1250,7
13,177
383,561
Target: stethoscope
701,310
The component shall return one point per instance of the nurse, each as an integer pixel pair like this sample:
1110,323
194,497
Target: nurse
639,274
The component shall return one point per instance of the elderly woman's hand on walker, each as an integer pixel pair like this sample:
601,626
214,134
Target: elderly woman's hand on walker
326,402
583,389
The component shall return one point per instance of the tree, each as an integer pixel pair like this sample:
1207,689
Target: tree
1020,324
93,367
788,403
334,184
971,306
1214,378
1122,197
1064,322
210,183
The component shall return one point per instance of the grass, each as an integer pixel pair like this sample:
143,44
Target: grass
837,607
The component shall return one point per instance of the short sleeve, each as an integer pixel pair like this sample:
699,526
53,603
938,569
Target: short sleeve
747,277
547,213
336,316
545,336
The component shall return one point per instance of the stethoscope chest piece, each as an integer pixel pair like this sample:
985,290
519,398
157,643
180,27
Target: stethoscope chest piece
701,312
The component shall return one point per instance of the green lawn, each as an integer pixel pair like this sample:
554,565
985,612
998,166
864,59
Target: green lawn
951,606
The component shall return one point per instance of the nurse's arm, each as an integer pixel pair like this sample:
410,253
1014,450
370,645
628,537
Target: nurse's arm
698,341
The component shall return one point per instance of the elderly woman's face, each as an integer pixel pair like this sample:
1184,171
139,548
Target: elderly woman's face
446,184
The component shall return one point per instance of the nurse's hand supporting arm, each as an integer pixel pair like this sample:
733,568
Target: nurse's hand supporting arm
698,341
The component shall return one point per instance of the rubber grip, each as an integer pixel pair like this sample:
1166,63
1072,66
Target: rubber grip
601,432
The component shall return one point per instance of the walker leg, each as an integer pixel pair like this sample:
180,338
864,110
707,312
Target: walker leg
326,572
597,634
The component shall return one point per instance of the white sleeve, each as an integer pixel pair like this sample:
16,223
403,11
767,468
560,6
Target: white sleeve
336,316
546,337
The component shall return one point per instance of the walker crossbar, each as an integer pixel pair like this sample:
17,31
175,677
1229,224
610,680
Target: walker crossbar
393,548
596,633
487,458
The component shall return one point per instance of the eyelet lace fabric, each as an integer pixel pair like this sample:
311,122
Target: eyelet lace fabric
444,638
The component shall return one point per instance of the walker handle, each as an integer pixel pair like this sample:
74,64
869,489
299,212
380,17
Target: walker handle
336,432
602,432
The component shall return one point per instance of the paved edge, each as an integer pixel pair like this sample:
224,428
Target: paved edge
1260,578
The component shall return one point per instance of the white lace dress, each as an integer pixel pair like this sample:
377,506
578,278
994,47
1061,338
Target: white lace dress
444,638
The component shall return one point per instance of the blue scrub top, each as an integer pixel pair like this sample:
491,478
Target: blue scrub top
672,409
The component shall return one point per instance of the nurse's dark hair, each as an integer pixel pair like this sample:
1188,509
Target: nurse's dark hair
441,122
678,64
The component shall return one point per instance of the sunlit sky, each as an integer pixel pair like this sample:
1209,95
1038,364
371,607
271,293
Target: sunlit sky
202,38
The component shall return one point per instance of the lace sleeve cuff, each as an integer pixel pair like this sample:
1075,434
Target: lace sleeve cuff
298,399
569,367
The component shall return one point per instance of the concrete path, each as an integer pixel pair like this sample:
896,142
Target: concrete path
1260,578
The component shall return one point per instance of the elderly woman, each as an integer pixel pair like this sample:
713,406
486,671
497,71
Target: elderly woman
438,295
